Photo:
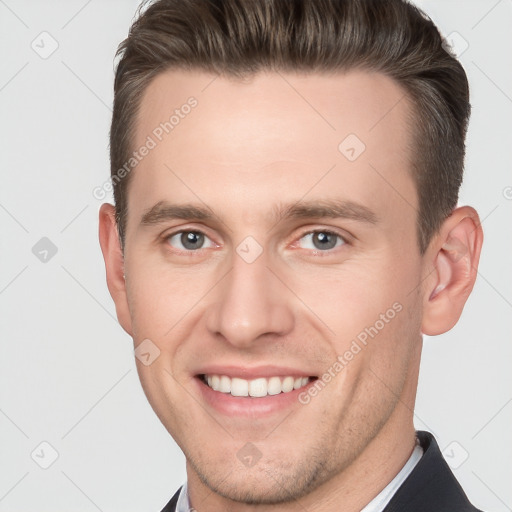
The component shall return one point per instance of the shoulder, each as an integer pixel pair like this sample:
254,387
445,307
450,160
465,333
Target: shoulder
431,486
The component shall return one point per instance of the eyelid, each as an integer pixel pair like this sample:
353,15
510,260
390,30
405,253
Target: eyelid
343,236
180,229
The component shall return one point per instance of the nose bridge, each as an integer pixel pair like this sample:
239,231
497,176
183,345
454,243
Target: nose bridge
250,302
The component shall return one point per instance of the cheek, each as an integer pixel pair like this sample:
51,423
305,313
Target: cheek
354,294
361,300
164,396
160,297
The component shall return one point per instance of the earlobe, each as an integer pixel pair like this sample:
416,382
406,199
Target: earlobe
454,254
114,264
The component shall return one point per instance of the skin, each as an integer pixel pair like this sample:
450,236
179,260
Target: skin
247,148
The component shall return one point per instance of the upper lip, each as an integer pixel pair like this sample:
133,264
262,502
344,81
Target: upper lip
249,373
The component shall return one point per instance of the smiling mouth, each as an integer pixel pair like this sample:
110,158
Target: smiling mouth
255,388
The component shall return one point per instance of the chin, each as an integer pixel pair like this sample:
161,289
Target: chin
269,482
261,489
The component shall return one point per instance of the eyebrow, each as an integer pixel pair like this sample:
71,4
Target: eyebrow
333,209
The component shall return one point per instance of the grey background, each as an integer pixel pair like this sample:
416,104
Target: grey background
67,372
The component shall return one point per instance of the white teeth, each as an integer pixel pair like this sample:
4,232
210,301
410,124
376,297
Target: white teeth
287,384
239,387
258,387
225,384
255,388
274,386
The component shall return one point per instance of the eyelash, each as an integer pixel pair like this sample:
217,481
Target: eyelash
317,252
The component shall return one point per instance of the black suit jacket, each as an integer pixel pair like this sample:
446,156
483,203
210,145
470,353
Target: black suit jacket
431,487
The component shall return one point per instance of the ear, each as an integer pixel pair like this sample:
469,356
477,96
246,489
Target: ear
452,258
114,264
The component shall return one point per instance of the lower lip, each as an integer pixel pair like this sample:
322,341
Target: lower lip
248,406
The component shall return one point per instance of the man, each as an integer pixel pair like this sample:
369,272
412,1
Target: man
285,229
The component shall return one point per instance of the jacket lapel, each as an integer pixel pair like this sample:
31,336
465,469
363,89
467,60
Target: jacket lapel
431,487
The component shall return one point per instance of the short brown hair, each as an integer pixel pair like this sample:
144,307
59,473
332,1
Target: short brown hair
238,38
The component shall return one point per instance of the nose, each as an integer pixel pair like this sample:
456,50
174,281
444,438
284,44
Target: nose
250,302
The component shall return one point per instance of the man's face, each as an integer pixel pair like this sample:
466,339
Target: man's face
266,293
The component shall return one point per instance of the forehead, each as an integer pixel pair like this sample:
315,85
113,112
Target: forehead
271,136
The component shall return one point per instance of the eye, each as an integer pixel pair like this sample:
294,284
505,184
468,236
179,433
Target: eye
189,240
321,240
